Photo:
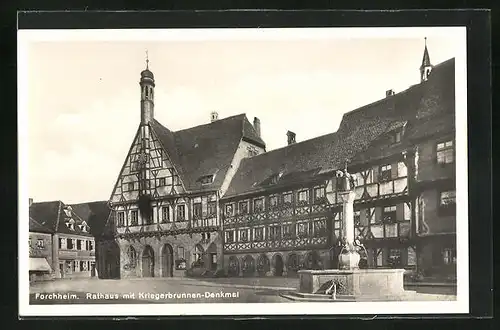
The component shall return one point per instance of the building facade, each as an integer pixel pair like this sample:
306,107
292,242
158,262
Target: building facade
165,203
72,247
210,198
281,212
40,252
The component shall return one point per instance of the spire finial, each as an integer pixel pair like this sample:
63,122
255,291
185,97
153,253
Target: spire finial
147,60
425,41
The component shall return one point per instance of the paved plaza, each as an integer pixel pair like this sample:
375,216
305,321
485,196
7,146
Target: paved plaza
185,290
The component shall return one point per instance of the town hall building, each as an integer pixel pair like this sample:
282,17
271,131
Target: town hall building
210,199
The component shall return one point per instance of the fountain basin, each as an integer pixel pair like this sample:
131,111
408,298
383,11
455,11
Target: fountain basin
357,284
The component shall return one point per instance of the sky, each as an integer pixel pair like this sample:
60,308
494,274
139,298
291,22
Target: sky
82,97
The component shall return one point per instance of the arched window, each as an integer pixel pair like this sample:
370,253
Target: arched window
132,257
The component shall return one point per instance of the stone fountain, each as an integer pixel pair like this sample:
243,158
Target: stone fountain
349,282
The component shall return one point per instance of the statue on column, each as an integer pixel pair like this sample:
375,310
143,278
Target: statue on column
349,257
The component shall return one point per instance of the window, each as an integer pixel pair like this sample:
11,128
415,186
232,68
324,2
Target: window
449,256
162,182
447,202
258,205
40,244
259,234
448,198
302,229
197,210
385,172
243,235
319,195
319,228
243,207
303,197
445,153
208,236
86,245
287,231
78,244
134,218
181,213
29,243
180,252
229,236
229,210
396,136
91,245
389,214
212,209
357,218
274,232
121,219
165,214
394,259
273,202
69,243
287,199
131,186
208,179
62,243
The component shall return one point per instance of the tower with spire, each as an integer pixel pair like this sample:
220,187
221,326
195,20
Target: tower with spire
147,84
426,66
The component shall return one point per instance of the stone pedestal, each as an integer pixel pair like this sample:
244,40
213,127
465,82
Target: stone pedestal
358,284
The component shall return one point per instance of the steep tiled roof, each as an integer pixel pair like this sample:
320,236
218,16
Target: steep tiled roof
95,214
52,215
357,136
36,227
205,149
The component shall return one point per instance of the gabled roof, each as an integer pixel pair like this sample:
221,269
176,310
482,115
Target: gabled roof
36,227
356,137
95,214
206,149
52,215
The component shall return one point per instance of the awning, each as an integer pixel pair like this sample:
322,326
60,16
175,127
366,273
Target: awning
39,265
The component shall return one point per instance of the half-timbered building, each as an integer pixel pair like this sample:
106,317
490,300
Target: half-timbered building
166,198
281,211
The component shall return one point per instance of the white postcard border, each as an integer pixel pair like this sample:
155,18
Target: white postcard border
461,305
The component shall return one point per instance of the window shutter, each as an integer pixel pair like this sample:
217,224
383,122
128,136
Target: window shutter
378,214
394,170
400,212
375,173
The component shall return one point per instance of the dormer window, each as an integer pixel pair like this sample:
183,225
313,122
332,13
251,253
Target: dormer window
71,224
207,179
396,136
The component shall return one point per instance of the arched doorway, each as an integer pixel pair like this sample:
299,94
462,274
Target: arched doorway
278,265
293,264
167,261
234,266
248,267
263,265
148,262
198,256
312,260
211,256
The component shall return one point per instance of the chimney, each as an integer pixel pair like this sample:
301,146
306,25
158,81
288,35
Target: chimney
291,137
389,92
256,125
214,116
31,201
